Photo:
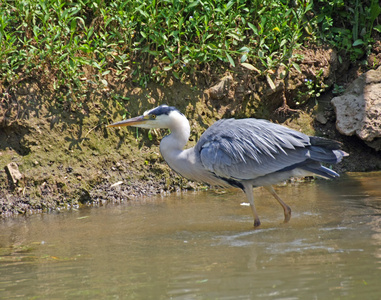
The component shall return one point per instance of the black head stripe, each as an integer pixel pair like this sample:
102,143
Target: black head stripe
162,110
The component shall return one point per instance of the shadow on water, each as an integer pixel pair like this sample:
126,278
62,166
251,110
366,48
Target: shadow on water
203,246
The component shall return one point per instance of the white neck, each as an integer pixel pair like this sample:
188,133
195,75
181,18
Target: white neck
176,141
172,146
185,162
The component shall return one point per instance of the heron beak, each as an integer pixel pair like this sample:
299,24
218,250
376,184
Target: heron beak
130,122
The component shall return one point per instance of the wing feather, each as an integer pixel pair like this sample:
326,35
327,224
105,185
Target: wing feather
250,148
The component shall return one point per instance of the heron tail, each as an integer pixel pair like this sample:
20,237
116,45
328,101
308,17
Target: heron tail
320,170
323,150
325,143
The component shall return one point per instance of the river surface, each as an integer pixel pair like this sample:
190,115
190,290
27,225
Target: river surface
201,245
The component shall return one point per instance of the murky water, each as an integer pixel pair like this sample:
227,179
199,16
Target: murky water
203,246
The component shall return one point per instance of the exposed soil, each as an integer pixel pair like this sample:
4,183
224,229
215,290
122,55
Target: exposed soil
68,158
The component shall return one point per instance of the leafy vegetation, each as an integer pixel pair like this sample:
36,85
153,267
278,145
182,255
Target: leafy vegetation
76,44
348,25
314,88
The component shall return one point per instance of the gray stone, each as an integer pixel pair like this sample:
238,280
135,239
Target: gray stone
358,110
221,89
320,117
14,173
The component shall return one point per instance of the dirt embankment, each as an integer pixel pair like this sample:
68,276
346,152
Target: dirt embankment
66,157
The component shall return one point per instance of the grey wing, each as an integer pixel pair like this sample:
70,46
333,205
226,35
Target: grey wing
250,148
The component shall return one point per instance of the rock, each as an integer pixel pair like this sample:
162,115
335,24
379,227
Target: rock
14,173
358,110
84,196
320,117
221,89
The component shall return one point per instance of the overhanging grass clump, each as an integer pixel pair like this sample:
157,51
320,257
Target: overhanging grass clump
144,40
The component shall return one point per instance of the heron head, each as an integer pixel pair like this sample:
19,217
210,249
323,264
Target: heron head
158,117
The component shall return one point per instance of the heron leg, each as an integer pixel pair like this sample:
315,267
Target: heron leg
248,189
286,208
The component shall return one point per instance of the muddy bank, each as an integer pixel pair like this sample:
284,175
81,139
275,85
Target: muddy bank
67,157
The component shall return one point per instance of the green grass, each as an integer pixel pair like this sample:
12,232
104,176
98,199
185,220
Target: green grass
75,45
348,25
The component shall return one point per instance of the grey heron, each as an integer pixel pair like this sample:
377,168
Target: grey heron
243,153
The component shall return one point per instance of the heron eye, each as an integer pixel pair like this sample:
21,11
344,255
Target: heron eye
153,117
